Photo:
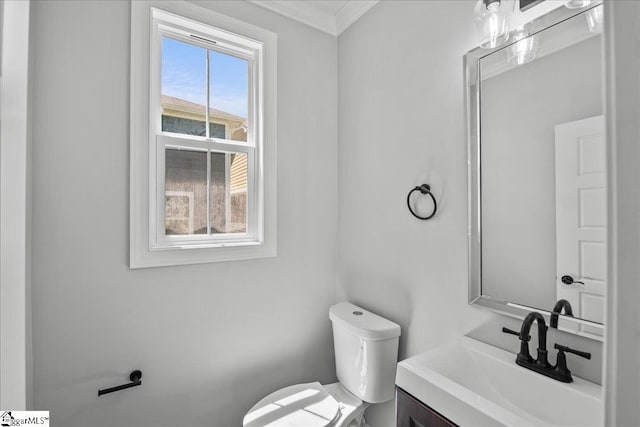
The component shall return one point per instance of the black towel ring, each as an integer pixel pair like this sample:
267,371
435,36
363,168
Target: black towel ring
424,189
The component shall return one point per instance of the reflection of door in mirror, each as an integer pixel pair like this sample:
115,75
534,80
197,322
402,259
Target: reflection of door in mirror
581,219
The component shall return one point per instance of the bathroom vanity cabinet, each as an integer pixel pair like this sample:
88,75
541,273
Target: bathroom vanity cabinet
410,412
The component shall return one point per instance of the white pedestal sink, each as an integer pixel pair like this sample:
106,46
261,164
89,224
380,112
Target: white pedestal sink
476,384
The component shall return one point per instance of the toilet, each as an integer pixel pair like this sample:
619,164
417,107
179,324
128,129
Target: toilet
366,351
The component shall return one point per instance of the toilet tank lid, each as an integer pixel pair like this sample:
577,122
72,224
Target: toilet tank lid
364,323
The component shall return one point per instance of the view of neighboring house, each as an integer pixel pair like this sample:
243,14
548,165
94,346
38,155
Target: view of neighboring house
186,117
186,172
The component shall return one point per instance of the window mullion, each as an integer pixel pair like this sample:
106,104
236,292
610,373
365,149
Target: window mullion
227,191
209,192
206,113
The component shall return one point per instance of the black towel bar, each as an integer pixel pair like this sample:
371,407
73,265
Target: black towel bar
135,377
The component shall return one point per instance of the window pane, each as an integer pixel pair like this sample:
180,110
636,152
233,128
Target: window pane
216,130
228,93
238,193
228,193
185,192
184,79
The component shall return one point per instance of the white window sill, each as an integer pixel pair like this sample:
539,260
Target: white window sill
162,257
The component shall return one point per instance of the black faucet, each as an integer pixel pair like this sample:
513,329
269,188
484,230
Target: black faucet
541,365
557,310
524,358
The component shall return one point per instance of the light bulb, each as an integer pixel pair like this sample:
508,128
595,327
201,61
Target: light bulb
594,19
494,26
524,49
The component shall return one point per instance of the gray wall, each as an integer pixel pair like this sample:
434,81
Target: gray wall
211,339
519,111
401,109
400,103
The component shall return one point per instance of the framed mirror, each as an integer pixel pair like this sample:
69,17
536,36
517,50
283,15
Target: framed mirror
537,172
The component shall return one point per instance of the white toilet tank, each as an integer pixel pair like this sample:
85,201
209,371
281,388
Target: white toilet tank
366,349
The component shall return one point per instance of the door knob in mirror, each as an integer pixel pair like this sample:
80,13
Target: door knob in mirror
568,280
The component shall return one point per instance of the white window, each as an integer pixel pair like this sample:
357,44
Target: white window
202,136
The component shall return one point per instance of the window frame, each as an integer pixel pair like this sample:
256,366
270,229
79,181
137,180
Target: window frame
149,245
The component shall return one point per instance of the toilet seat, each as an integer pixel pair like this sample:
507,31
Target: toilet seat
308,405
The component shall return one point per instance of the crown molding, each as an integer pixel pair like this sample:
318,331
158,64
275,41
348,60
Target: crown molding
351,12
314,17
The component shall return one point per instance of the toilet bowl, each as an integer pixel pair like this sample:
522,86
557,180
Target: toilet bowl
366,351
308,405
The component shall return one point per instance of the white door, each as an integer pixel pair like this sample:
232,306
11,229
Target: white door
581,218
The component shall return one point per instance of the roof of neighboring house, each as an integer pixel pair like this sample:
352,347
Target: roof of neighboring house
172,103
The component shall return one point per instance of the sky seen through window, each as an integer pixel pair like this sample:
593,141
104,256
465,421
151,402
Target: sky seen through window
184,77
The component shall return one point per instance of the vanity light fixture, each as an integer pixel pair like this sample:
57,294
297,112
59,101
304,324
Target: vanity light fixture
577,4
524,49
493,18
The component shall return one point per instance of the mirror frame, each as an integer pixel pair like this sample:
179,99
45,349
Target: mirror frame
472,100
